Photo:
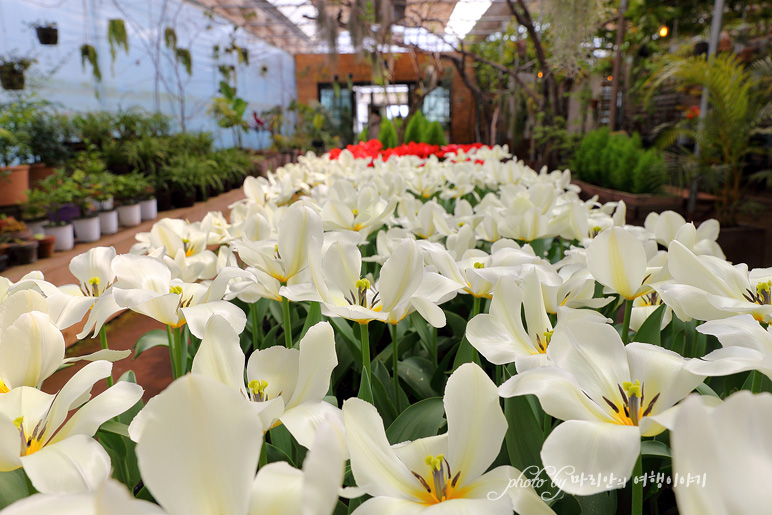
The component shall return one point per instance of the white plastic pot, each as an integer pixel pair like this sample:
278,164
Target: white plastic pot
108,222
37,226
106,205
65,236
87,230
149,209
130,216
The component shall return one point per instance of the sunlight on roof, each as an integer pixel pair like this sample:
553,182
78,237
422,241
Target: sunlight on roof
465,15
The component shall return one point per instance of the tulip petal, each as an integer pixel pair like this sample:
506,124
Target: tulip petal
31,350
579,447
617,259
277,488
316,362
401,274
199,448
74,465
474,415
220,356
376,468
198,316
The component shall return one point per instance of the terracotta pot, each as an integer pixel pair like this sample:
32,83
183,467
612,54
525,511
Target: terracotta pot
23,253
38,172
87,230
64,234
14,182
108,222
46,247
130,216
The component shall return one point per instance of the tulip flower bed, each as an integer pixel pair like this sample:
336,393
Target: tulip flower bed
448,332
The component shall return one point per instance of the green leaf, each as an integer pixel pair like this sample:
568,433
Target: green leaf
704,389
650,330
313,317
365,392
343,329
524,436
13,487
417,374
466,354
422,419
274,454
456,323
154,338
655,448
603,503
111,426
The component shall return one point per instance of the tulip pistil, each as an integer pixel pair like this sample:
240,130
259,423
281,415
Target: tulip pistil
442,483
632,405
762,296
30,443
359,297
543,344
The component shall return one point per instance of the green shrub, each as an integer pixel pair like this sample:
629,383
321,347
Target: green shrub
387,135
416,128
618,161
435,135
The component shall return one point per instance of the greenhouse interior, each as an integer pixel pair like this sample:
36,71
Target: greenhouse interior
248,248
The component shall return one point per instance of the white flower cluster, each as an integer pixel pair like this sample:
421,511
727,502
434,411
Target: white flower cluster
374,241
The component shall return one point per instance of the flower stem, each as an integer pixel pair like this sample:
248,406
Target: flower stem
756,381
626,322
637,505
475,307
394,363
182,351
287,322
255,326
103,340
172,351
365,335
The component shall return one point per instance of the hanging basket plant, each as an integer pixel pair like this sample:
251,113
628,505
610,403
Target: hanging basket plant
117,36
12,72
48,34
88,54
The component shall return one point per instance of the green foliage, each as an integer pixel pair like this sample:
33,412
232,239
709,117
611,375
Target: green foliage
189,172
88,54
435,135
228,109
48,135
170,38
416,128
619,161
739,108
387,135
117,36
130,188
95,128
182,55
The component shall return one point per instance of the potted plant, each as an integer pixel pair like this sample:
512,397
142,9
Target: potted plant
13,229
48,33
185,175
48,136
59,191
33,211
103,195
87,225
12,72
45,245
127,191
22,252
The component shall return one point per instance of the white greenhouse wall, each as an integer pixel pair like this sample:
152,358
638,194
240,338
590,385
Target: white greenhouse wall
132,80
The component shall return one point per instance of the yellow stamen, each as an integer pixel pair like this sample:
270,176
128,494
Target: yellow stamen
355,212
18,422
258,389
363,284
176,290
94,280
